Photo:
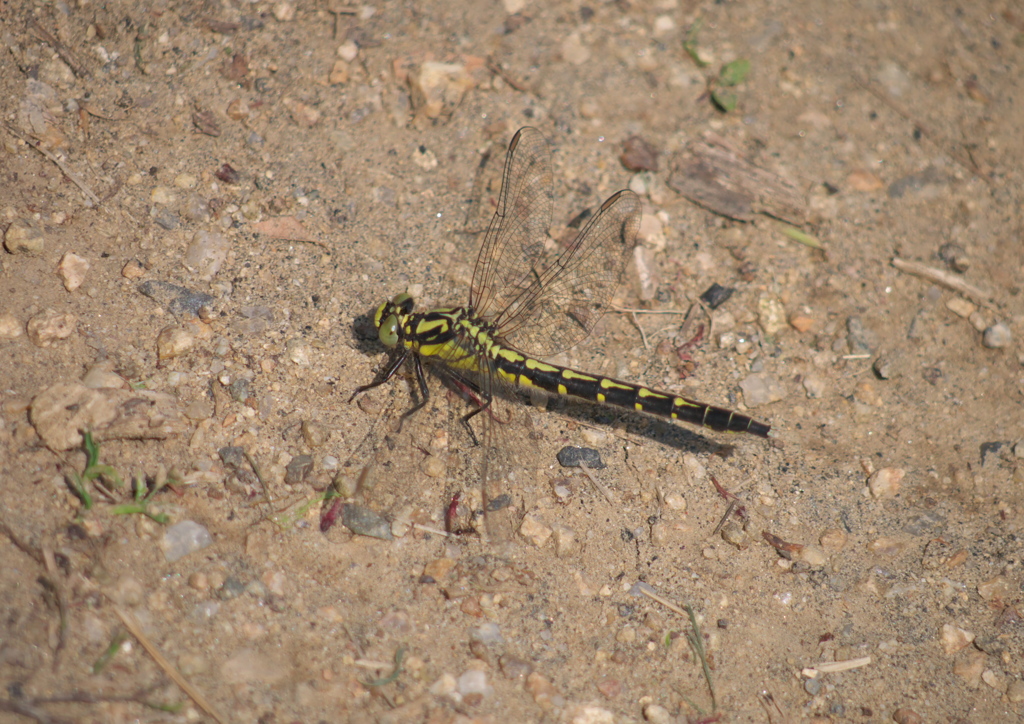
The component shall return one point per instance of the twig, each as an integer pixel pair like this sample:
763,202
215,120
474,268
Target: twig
636,323
60,164
608,495
494,67
132,625
834,667
945,279
43,34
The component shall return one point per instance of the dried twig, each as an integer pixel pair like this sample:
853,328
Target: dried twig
92,197
945,279
132,625
47,37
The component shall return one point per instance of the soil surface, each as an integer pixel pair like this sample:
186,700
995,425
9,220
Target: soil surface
203,203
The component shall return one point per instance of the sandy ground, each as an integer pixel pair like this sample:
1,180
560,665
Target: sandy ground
202,202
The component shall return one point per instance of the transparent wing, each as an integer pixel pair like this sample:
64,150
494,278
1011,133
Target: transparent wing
560,307
540,299
517,232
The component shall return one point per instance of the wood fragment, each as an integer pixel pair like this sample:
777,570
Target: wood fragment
712,174
946,279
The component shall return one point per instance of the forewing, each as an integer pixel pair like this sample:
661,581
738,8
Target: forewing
514,245
557,306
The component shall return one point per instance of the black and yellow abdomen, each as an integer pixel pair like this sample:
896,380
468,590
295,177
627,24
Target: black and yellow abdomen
455,337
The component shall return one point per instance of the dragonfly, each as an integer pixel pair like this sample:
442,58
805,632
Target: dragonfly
530,299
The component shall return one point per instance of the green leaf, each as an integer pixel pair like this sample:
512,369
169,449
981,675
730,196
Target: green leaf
725,100
735,72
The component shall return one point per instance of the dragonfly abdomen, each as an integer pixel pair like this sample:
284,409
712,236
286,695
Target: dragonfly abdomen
524,371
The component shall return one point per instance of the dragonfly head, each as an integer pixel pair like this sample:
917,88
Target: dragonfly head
388,318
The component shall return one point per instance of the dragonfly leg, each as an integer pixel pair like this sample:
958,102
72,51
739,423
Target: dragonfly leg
388,373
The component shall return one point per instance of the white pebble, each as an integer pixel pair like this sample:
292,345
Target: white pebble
996,336
348,51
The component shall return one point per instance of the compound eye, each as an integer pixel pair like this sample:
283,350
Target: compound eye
388,332
404,302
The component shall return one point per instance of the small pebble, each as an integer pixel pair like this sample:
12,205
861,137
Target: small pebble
473,682
961,307
733,534
424,158
298,352
166,219
610,687
72,270
883,367
22,237
313,433
954,638
339,73
284,12
363,521
133,270
715,296
185,181
858,338
994,679
996,589
565,540
1015,691
199,581
833,539
512,667
815,386
298,469
760,389
639,155
574,51
887,546
161,196
657,714
173,342
885,483
437,88
183,538
237,110
303,114
771,315
240,390
997,336
801,322
10,327
970,668
906,716
811,555
47,327
206,253
955,257
573,456
179,301
535,530
348,51
101,375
